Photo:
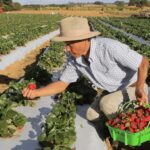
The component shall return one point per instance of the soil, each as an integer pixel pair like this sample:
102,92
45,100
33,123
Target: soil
17,70
76,13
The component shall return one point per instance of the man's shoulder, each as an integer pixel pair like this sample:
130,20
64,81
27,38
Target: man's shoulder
106,41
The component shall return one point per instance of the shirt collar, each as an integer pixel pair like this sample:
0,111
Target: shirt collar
92,49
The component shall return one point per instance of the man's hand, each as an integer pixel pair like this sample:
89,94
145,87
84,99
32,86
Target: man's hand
53,88
141,95
29,93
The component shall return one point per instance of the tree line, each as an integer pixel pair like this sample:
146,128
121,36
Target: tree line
8,5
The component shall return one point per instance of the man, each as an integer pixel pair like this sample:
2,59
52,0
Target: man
109,65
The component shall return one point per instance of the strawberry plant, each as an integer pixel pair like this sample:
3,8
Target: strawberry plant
10,120
59,130
18,29
14,92
139,27
52,58
84,88
41,76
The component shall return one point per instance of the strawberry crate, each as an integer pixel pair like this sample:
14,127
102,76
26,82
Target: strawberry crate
128,138
125,120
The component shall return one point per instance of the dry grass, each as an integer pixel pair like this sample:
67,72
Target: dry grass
87,10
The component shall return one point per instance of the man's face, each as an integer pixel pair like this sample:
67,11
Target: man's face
77,48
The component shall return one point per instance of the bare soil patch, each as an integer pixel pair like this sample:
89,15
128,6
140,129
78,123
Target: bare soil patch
87,10
16,70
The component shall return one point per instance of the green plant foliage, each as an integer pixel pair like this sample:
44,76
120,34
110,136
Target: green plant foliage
83,87
10,120
59,129
18,29
14,92
41,76
139,27
53,58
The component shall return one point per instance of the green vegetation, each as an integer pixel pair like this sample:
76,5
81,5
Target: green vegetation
139,3
10,120
59,129
8,5
18,29
139,27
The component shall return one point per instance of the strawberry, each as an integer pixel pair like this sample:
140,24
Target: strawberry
122,115
131,130
142,125
32,86
132,118
140,111
122,127
116,121
133,125
110,122
147,118
137,120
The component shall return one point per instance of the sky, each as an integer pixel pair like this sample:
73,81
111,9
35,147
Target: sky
23,2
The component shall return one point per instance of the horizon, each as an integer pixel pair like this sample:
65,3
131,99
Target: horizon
46,2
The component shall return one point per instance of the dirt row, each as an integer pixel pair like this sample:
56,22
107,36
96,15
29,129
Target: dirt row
16,70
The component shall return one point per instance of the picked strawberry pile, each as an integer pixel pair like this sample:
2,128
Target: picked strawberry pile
132,116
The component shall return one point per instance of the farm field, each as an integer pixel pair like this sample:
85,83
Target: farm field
109,10
139,27
18,29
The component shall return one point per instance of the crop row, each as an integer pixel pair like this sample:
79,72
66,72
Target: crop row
139,27
17,29
13,97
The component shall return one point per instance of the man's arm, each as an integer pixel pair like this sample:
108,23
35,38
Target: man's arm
142,75
50,89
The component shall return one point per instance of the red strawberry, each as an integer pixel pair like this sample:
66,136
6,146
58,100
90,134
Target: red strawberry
142,125
122,127
133,125
132,118
131,130
147,118
32,86
110,122
140,111
122,115
137,120
116,121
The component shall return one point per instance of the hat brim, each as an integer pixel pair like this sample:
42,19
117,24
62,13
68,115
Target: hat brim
85,36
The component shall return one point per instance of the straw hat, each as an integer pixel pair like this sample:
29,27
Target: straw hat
74,28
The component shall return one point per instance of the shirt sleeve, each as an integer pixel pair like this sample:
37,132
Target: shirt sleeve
125,56
70,73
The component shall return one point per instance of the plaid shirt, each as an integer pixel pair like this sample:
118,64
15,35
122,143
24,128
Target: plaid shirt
112,65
